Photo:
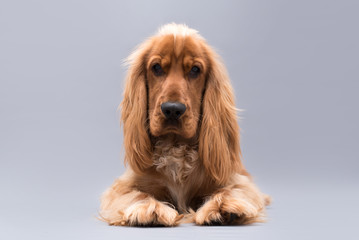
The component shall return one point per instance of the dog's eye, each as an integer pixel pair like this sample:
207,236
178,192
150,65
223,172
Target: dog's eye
157,69
194,72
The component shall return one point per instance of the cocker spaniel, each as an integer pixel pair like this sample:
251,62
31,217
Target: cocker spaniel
181,139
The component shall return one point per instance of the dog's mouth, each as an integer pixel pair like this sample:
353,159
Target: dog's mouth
161,126
172,125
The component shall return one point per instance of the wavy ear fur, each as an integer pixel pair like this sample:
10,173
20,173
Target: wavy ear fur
134,112
219,146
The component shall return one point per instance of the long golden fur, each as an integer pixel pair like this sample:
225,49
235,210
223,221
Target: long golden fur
191,168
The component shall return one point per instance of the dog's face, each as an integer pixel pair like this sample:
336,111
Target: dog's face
176,72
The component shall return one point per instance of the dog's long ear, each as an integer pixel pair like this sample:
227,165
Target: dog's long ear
134,112
219,146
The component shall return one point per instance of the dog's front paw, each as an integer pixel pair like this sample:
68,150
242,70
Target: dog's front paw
150,213
226,210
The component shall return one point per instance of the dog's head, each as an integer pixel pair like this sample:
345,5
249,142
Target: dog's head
176,84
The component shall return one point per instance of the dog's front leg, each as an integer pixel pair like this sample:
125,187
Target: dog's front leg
124,204
240,202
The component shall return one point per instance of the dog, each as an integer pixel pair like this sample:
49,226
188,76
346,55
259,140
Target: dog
181,140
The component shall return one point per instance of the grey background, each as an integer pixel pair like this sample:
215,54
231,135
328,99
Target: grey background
294,68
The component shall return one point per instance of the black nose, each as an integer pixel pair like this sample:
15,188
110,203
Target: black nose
173,110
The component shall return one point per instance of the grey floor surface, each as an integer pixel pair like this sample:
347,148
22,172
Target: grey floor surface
307,210
293,66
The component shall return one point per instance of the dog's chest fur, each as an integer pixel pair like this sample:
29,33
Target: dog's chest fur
179,164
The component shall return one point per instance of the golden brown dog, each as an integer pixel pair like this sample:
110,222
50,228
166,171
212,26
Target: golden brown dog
181,139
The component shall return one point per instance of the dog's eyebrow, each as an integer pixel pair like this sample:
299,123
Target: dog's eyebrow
191,61
198,61
155,58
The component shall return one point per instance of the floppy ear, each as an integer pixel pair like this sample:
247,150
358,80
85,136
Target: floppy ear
219,146
134,112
